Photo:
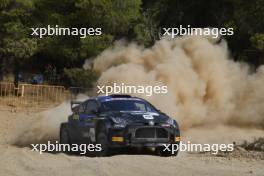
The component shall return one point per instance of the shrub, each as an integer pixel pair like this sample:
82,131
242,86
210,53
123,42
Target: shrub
78,77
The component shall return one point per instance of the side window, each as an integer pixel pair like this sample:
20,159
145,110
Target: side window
91,106
82,107
140,107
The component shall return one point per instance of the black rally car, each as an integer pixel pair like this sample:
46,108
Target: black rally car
119,121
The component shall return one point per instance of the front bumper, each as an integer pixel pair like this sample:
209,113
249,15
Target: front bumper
143,136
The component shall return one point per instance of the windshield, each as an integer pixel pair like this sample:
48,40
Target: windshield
128,105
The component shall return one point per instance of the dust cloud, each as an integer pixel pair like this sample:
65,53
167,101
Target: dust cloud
37,127
205,88
205,85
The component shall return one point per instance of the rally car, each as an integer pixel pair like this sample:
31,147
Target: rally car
119,121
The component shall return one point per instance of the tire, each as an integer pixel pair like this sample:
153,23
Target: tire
64,134
102,139
160,151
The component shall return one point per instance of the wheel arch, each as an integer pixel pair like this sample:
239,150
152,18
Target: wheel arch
102,125
63,125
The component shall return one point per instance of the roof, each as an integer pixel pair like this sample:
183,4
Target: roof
115,96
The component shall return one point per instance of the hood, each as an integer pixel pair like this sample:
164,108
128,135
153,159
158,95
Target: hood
139,116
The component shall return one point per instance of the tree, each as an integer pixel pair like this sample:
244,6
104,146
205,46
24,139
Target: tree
117,19
78,77
16,43
248,18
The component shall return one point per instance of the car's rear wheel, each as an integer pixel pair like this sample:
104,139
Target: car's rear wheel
102,139
64,134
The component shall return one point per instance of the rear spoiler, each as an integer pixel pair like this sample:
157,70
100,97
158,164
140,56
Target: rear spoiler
73,103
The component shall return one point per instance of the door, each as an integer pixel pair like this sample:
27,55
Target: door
87,121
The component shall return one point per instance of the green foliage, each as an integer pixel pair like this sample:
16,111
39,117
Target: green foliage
15,43
258,41
143,34
4,3
135,20
21,49
246,17
94,45
114,16
78,77
14,29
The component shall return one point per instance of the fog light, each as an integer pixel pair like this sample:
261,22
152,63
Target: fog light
177,139
117,139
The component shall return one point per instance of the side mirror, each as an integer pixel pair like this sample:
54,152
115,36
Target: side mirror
75,105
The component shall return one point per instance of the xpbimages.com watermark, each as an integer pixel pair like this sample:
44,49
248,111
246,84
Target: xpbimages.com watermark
194,147
148,90
173,148
65,31
188,30
57,147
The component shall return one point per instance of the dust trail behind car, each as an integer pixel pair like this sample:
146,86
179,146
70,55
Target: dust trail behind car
205,85
23,129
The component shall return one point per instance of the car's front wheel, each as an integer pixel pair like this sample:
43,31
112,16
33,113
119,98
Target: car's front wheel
102,139
163,151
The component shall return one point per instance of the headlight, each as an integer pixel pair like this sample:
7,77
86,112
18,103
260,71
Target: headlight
117,119
172,122
119,122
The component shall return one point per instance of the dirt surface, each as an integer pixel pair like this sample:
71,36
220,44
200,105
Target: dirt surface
17,161
18,130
